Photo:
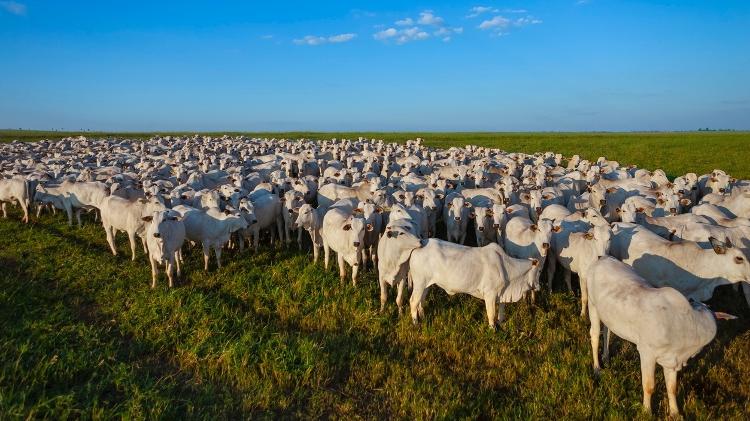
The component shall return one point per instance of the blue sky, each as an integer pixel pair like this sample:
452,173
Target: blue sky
379,65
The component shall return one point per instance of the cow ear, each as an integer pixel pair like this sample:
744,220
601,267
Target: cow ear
589,236
379,209
534,262
472,215
639,210
143,200
357,210
685,202
719,247
450,205
556,228
611,190
347,227
370,227
533,227
148,218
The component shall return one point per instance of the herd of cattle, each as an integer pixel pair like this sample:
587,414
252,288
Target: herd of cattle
647,250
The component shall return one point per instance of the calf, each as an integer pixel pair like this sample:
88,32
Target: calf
311,220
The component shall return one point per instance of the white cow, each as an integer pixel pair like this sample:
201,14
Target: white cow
456,216
343,232
16,189
487,273
211,229
577,251
683,265
311,220
164,237
120,214
394,250
666,328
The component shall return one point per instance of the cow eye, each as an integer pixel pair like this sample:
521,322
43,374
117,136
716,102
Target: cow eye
739,260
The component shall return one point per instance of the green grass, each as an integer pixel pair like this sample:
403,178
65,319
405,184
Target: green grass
82,335
674,152
272,335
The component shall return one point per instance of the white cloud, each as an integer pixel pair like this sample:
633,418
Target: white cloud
427,17
447,32
385,34
497,22
341,38
402,36
528,20
499,25
13,7
318,40
405,22
478,10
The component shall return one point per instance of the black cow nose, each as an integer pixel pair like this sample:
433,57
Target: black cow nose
481,228
538,210
496,226
602,202
458,218
673,210
356,244
157,235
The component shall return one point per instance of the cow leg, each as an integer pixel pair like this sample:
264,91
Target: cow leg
594,332
383,294
316,252
415,302
746,290
170,271
374,256
551,266
355,271
279,227
206,255
154,271
38,210
584,295
363,258
143,243
501,312
400,295
68,211
606,335
670,377
327,254
110,238
217,252
5,211
131,238
25,210
648,365
178,263
342,267
78,217
256,239
299,238
568,275
490,305
241,242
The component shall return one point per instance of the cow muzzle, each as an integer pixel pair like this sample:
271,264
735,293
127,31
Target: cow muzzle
458,218
356,244
481,229
157,235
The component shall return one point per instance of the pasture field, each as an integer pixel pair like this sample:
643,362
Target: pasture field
270,335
